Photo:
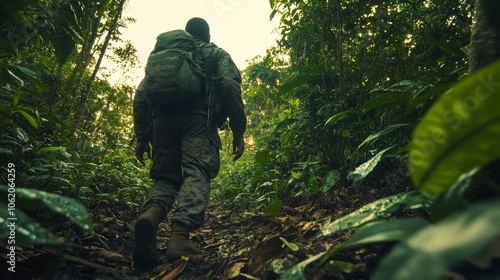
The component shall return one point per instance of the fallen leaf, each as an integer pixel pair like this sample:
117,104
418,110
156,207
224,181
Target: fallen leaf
234,271
109,255
176,271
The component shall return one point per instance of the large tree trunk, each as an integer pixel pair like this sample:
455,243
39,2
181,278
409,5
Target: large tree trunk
485,38
484,49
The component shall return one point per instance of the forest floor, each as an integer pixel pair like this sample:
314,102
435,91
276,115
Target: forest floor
235,245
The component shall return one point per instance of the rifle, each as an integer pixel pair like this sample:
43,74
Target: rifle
208,91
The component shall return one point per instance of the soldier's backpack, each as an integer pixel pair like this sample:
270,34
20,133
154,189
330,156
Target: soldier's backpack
174,71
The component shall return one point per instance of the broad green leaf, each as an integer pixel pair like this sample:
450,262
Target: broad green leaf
438,247
301,79
386,230
27,231
362,171
283,124
449,201
272,3
33,76
375,210
380,231
294,83
338,117
65,206
383,132
274,208
450,47
330,180
460,131
30,119
385,99
297,272
383,231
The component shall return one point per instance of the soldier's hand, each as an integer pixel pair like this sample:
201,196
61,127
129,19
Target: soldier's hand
141,148
238,148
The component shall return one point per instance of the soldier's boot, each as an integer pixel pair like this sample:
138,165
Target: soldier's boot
179,244
146,228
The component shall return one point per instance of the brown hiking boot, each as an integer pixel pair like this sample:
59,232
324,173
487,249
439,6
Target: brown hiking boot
146,227
179,244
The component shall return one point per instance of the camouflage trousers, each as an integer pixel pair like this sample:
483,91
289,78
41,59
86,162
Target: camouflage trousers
185,159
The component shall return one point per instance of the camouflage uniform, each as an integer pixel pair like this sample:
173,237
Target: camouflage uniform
185,154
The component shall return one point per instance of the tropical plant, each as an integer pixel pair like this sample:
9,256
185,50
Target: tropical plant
457,135
65,128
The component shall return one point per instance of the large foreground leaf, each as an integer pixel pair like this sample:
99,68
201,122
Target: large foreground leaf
448,202
428,253
459,132
30,232
380,231
376,210
24,230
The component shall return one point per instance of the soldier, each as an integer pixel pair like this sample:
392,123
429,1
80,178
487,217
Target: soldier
185,153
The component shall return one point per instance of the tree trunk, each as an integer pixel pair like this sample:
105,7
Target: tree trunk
484,49
111,31
485,37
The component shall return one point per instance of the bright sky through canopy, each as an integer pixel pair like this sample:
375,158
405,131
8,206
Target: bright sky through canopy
241,27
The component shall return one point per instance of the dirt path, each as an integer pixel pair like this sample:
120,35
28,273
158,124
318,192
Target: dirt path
235,246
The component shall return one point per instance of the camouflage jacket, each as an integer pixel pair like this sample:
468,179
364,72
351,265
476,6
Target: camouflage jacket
227,80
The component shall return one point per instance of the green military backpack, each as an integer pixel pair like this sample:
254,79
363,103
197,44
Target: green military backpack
174,70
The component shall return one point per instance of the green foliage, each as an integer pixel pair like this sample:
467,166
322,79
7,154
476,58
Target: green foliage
454,138
472,230
458,133
378,231
27,230
378,209
362,171
67,132
343,76
452,200
381,231
330,180
381,133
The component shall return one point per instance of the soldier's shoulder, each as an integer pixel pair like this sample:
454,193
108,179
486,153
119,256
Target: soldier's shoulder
216,49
